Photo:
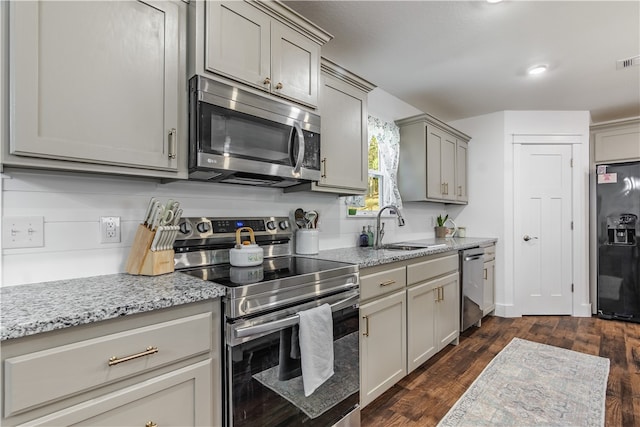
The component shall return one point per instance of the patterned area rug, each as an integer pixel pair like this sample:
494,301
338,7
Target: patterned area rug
532,384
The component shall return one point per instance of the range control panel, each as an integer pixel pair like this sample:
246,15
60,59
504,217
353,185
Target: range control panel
224,228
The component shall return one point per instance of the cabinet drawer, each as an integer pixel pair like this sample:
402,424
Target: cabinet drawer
178,398
40,377
490,253
427,270
373,285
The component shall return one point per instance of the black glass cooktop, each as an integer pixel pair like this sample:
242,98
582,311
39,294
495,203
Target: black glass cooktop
272,269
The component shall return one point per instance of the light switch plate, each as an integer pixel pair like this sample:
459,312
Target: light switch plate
22,232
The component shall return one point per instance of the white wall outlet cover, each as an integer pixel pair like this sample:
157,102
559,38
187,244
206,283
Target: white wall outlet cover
22,232
109,229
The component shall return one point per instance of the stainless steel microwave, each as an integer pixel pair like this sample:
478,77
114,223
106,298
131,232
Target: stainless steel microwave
238,137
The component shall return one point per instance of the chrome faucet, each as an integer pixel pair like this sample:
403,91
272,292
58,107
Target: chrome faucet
380,229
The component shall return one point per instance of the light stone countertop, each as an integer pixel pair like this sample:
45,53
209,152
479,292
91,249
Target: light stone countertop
41,307
369,257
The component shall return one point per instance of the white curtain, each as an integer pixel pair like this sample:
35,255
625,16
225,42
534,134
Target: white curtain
388,136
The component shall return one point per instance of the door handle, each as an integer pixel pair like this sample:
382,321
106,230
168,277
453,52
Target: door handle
526,238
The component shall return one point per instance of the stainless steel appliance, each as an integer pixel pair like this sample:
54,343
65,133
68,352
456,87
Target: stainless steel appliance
472,294
618,209
238,137
262,384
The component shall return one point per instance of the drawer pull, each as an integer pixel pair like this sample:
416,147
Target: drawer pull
388,283
150,424
366,326
114,360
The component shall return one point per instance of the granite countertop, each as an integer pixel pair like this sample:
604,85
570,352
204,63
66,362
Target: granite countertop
369,257
41,307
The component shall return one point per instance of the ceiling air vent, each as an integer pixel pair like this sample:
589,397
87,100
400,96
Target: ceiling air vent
628,62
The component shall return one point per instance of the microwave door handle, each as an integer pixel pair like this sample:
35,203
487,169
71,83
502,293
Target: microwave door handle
300,155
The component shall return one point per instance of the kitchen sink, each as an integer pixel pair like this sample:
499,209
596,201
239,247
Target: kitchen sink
411,247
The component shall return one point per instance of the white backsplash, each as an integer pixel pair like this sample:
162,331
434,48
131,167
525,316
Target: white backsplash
72,203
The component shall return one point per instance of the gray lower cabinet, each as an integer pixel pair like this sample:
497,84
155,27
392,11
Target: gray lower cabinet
409,311
160,367
98,86
489,279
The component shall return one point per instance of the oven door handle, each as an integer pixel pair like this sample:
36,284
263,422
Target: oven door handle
289,320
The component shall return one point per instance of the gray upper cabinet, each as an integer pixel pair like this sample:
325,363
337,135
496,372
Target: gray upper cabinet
264,45
617,141
344,144
433,161
98,86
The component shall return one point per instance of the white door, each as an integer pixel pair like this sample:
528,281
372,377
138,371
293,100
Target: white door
543,250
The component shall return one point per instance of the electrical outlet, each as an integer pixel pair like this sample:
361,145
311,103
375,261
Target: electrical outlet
109,229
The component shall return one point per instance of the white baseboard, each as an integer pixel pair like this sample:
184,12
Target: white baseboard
506,310
583,310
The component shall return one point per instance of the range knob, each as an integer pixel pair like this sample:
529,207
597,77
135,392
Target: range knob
271,225
203,227
284,225
185,228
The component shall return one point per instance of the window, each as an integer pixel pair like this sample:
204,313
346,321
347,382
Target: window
384,145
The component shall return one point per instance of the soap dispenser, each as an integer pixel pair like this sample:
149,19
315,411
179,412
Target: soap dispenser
364,238
370,235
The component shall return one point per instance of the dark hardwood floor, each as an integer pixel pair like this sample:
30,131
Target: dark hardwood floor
424,397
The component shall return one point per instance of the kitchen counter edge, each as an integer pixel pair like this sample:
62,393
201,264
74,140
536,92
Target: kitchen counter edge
42,307
369,257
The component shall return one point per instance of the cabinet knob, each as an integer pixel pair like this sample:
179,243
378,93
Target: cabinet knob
267,81
279,86
150,424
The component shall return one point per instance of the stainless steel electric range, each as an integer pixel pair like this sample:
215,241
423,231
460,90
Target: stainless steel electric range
262,383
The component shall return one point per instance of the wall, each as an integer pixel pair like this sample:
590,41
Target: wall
491,192
72,203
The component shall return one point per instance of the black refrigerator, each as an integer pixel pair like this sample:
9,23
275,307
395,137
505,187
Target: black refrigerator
618,212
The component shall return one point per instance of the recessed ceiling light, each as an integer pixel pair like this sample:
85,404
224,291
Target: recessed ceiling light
537,69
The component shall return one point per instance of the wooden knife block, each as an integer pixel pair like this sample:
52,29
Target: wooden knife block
142,261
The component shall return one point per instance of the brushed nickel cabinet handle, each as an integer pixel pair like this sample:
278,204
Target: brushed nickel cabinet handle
324,167
442,188
172,143
485,274
279,86
114,360
366,326
388,283
150,424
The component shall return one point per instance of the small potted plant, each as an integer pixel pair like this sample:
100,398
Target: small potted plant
441,230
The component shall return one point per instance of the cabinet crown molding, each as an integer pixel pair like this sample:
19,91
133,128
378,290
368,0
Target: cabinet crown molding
293,19
428,118
335,70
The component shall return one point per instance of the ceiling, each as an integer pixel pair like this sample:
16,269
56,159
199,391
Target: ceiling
460,59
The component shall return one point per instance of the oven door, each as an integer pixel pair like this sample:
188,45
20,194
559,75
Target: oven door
263,382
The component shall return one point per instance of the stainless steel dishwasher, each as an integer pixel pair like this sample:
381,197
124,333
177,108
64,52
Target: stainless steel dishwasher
472,293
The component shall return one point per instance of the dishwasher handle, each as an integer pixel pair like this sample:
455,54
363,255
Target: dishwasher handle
474,257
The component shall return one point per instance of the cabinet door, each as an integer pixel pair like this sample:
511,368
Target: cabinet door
344,135
295,65
616,145
448,167
435,141
421,339
238,42
448,310
489,287
383,360
461,171
95,82
180,398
